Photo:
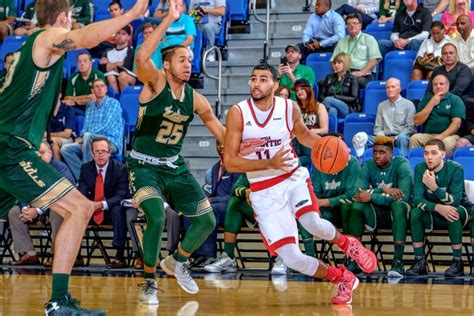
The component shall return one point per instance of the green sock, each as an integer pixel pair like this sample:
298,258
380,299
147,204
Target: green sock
457,253
309,247
419,252
229,249
149,275
60,286
399,250
179,257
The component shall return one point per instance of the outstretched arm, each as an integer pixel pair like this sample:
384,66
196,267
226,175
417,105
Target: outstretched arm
204,110
146,70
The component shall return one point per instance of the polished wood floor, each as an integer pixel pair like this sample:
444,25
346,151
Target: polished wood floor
25,295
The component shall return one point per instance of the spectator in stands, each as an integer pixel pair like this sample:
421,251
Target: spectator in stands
458,74
450,17
465,41
82,13
7,18
103,118
429,55
395,117
367,10
28,21
105,182
314,113
436,7
334,192
115,9
383,193
388,9
62,124
161,9
339,91
441,115
220,193
118,60
291,70
323,30
208,18
21,215
6,65
79,86
439,201
147,29
283,91
411,27
362,49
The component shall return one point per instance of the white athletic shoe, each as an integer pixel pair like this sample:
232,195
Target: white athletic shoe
223,263
279,267
181,273
148,292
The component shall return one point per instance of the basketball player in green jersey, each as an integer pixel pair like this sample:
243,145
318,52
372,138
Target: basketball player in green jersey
27,97
156,170
382,199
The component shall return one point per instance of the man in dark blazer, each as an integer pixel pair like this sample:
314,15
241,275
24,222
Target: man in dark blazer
220,192
105,181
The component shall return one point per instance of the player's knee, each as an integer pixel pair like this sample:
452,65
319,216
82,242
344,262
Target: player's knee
291,255
398,208
208,222
357,208
415,215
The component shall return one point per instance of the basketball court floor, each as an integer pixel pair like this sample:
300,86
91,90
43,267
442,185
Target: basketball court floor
24,291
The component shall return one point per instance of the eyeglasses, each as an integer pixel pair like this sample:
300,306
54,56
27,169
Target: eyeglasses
100,152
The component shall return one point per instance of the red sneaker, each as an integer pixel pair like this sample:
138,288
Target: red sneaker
345,287
365,258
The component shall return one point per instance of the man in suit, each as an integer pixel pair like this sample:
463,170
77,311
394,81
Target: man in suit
21,215
105,181
220,193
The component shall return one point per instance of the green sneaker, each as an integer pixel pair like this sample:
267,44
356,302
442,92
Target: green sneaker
352,266
397,270
68,306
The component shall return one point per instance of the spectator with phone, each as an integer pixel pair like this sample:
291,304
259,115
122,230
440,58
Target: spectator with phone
429,55
291,70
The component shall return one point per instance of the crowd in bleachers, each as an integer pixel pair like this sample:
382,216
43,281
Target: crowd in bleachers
375,75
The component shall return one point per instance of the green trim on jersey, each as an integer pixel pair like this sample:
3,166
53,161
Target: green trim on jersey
29,94
163,122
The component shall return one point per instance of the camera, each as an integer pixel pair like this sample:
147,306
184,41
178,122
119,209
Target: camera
284,60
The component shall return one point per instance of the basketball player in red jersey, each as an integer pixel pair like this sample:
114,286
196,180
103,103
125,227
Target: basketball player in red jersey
281,190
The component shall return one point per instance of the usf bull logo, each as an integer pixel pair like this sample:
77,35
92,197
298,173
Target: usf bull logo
27,167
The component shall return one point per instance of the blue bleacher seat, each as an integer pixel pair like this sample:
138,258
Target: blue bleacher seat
101,6
101,16
239,10
129,103
11,44
464,152
399,64
357,122
316,90
127,4
332,123
221,38
416,156
379,27
380,35
374,94
197,50
466,162
320,64
416,89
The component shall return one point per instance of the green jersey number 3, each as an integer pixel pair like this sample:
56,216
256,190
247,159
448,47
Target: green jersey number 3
170,133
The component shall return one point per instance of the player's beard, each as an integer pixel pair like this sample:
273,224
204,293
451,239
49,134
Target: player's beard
263,96
176,78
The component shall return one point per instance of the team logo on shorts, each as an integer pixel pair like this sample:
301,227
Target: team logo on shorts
26,165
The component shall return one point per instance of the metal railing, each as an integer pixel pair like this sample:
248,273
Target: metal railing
218,105
266,47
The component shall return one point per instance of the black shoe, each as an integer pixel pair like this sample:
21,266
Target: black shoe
456,269
116,263
199,264
68,306
418,268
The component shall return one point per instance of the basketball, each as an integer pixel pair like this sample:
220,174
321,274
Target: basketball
330,154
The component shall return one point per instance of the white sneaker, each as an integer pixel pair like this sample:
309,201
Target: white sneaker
211,57
181,273
280,282
148,293
222,264
279,267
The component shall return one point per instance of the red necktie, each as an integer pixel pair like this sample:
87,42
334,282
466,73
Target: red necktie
99,196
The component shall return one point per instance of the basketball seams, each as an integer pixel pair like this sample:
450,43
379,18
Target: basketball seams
335,156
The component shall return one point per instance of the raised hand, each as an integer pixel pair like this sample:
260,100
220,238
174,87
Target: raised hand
139,8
